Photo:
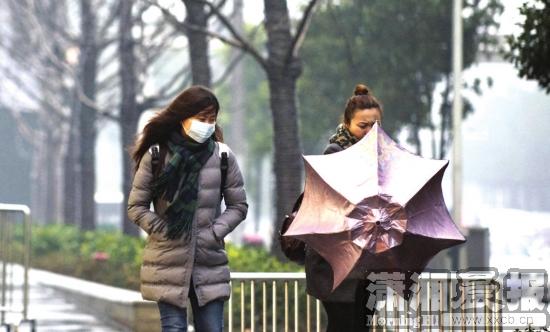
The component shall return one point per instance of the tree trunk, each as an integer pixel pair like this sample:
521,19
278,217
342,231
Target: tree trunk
56,132
129,110
415,135
255,176
288,149
53,166
282,74
198,42
38,178
88,131
46,175
128,132
72,186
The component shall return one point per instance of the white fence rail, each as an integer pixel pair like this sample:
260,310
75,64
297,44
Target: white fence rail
441,301
15,248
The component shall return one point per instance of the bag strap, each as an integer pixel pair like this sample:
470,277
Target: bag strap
223,151
158,155
224,165
155,156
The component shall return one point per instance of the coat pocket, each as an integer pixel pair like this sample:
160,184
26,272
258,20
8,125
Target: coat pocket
212,240
220,242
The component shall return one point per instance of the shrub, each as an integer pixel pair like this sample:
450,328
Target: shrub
67,250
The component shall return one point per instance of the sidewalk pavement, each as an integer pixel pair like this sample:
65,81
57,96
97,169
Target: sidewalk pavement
51,310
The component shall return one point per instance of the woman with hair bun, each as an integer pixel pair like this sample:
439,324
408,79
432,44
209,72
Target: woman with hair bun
361,112
346,305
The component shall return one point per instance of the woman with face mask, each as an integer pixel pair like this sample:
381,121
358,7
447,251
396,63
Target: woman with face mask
346,306
179,159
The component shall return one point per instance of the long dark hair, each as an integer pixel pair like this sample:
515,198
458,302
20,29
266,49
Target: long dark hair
362,99
188,103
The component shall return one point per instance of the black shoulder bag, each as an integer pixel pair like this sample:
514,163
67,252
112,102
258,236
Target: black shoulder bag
294,249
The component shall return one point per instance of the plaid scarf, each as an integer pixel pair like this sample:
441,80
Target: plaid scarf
343,137
178,183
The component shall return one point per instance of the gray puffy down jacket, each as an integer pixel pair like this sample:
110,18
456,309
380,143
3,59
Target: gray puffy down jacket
169,265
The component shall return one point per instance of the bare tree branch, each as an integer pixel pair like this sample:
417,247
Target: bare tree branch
229,69
348,50
238,41
103,44
218,6
63,66
41,36
245,45
109,60
25,130
301,32
113,14
155,50
90,103
177,76
56,106
177,89
108,83
235,61
167,91
170,94
184,27
58,29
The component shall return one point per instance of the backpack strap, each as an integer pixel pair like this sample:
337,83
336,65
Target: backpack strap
224,165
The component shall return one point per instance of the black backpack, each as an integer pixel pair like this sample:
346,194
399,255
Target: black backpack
155,154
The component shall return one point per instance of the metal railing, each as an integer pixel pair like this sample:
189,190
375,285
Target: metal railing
442,301
15,248
274,300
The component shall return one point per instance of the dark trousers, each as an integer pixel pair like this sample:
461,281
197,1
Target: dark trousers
350,316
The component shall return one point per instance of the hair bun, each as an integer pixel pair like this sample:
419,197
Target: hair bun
361,89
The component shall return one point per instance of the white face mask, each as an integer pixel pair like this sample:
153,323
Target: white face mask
200,131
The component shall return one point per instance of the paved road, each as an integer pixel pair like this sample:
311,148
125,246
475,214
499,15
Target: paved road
53,312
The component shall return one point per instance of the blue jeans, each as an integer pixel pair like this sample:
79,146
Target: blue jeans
208,318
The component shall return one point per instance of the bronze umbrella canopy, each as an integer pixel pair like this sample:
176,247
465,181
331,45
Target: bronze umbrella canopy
374,204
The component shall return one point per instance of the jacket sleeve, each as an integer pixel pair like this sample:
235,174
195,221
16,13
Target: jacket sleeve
140,198
235,200
332,148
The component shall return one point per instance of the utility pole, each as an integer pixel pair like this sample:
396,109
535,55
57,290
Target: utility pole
457,120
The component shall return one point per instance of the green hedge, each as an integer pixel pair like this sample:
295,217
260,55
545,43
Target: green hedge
67,250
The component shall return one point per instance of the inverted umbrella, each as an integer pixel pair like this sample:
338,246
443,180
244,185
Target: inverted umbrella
374,204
